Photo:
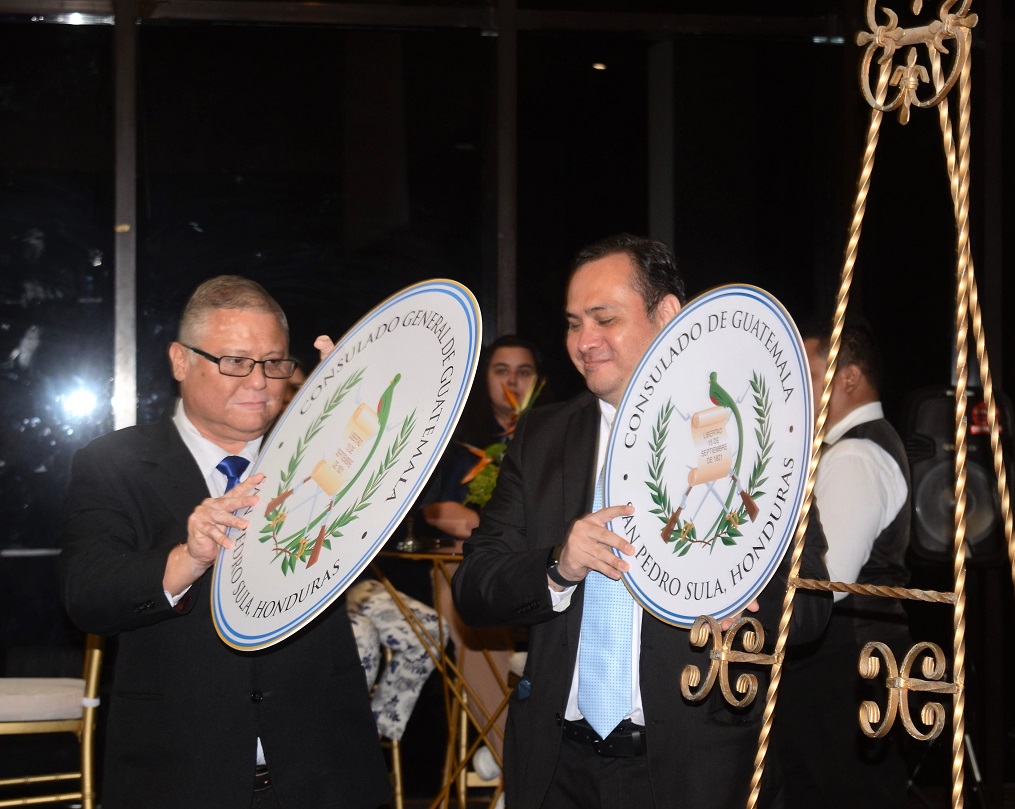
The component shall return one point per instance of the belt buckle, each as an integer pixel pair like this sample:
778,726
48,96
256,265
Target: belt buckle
623,742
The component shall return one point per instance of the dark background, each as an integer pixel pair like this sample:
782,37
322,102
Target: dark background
337,164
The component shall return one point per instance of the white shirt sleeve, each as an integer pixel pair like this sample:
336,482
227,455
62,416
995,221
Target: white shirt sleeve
859,489
174,600
562,600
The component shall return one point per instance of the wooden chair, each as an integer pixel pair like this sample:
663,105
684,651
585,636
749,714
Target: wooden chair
393,748
55,705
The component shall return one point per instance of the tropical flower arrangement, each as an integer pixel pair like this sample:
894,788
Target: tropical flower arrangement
482,478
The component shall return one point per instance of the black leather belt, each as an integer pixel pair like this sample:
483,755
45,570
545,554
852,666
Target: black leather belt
626,741
262,780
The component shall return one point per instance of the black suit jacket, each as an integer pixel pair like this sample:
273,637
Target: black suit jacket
187,710
701,754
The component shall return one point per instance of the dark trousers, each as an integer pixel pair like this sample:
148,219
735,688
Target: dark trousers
585,780
265,800
264,797
825,758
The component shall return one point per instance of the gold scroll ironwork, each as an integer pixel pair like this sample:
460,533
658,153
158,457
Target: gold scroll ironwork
900,683
742,693
951,27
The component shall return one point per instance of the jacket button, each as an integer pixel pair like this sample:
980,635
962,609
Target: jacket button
256,696
557,718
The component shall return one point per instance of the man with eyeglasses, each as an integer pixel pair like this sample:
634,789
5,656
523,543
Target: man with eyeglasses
193,723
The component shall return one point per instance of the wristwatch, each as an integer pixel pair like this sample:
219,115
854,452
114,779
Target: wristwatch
553,572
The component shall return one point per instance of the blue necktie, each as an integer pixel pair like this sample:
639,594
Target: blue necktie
232,466
604,666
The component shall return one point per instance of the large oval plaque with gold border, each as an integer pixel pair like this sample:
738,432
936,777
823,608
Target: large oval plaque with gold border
346,461
711,444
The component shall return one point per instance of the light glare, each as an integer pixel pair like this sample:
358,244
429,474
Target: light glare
80,403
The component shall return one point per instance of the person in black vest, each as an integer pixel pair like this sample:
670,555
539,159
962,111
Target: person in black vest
862,492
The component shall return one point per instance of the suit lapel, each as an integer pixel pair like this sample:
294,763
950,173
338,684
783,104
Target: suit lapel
174,475
579,473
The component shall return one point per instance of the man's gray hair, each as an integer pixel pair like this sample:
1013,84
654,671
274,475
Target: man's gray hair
227,292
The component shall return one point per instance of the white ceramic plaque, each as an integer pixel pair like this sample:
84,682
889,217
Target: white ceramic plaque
346,461
711,444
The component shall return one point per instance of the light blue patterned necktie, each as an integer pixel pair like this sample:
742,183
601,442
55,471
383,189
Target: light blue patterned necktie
604,665
233,467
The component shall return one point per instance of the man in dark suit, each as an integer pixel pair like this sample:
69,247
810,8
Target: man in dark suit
193,723
529,561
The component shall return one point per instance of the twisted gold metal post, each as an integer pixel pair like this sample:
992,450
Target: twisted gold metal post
952,28
932,596
1000,470
859,207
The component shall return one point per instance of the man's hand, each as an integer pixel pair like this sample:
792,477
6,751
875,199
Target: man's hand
590,545
451,518
206,533
726,623
207,524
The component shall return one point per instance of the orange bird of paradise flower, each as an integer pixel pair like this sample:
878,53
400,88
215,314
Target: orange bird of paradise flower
519,406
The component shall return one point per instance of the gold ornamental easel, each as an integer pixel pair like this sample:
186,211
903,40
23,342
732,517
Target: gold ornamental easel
899,86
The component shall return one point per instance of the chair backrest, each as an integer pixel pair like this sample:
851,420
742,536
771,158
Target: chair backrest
32,705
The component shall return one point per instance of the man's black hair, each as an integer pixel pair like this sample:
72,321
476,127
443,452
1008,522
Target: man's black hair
657,273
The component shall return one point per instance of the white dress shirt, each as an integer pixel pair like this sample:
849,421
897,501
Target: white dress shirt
859,489
208,455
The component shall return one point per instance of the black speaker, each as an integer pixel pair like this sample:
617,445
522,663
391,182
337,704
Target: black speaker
930,444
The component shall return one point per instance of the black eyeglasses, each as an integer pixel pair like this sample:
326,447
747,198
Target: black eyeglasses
244,366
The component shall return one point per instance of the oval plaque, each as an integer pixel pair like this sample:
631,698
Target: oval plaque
346,461
711,444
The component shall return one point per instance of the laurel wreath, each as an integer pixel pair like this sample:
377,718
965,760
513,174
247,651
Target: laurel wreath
296,547
656,465
727,529
277,516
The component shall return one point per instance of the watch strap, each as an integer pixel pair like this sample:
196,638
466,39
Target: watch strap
557,578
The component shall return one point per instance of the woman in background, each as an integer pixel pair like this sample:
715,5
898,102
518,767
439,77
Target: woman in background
509,366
